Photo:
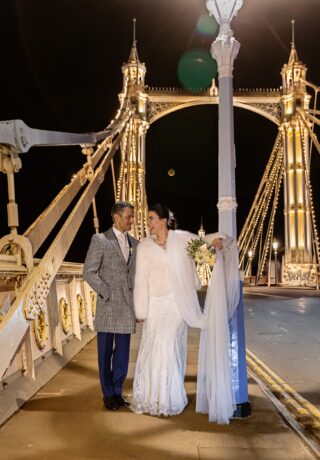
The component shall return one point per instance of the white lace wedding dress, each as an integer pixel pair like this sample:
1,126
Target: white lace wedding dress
158,386
165,296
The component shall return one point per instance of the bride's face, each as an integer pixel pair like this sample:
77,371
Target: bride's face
155,224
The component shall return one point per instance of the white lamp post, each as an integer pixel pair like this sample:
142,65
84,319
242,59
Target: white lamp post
250,255
275,246
225,49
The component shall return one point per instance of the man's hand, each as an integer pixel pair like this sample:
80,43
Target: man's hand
217,244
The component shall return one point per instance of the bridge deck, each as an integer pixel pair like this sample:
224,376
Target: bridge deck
66,420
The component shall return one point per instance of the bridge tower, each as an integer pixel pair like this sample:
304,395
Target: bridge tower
299,263
131,179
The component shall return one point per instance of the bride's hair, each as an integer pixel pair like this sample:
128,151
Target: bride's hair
164,213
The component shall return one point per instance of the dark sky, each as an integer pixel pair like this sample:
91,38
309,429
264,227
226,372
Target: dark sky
61,70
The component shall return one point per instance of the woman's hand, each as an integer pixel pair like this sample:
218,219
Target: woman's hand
217,244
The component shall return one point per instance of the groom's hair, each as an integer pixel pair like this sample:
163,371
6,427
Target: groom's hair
119,207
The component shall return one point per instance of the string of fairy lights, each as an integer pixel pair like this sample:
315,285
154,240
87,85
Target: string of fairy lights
130,184
252,231
313,141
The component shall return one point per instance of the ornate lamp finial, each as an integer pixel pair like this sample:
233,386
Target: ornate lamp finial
224,10
292,28
133,58
134,30
293,58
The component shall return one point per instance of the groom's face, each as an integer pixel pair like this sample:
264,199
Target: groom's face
124,220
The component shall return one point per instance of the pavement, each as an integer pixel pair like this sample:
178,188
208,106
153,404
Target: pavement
67,420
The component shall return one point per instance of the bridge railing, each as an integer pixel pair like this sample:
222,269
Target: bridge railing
61,329
67,312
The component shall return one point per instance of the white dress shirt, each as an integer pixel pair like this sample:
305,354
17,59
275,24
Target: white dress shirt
122,238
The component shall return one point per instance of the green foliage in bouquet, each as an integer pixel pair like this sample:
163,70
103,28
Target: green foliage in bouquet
200,252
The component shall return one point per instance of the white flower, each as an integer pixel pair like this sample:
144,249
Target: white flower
199,251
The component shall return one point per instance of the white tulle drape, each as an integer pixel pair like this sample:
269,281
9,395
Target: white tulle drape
184,278
215,395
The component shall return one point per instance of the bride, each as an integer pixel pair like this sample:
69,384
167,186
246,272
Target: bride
165,297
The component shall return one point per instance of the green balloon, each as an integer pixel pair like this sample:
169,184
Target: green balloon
196,69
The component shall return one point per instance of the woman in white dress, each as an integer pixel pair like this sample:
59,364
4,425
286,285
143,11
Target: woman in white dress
165,298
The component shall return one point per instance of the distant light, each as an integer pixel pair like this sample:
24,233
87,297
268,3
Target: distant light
196,69
207,25
171,172
275,245
250,254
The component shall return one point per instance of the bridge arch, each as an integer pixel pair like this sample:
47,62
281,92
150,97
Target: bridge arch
271,110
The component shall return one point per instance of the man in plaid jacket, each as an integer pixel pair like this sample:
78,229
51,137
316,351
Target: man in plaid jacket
109,269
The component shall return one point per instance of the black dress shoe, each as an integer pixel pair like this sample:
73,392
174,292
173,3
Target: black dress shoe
122,402
110,403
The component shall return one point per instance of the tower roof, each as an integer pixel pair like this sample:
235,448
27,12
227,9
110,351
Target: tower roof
293,57
134,58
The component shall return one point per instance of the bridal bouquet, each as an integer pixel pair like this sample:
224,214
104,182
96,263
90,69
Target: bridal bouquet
201,252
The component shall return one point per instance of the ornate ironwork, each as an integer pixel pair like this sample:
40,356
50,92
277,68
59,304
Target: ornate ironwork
35,297
93,297
81,308
268,108
40,330
64,313
155,108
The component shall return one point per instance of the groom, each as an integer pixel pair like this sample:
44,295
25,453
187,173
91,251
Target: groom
109,269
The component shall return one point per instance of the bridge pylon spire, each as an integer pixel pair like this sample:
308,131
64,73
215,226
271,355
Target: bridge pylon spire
134,29
292,31
134,71
134,58
131,179
293,57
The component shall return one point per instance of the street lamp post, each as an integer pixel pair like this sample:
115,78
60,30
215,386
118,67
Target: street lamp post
275,246
225,49
250,255
269,268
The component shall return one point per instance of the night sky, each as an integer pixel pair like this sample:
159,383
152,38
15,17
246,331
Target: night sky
61,70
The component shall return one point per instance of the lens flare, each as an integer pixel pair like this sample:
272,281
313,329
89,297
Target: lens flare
196,69
207,25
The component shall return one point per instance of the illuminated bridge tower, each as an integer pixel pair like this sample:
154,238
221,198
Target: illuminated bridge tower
131,179
298,268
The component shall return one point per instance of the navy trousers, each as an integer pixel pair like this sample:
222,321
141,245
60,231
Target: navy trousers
113,360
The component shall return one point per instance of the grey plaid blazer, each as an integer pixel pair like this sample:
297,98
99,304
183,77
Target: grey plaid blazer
107,272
